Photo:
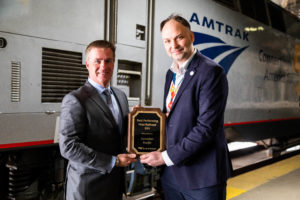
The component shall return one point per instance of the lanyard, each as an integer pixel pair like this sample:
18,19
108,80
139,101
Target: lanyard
174,89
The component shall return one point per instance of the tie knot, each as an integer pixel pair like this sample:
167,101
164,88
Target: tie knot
108,97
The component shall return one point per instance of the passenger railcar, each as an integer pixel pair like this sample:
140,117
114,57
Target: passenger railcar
42,57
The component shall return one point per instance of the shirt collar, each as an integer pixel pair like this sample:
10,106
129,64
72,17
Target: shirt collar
184,66
98,87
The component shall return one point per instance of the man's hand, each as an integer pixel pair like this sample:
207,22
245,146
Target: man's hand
153,159
126,159
135,107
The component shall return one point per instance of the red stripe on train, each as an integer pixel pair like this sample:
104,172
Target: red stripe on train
35,143
259,121
23,144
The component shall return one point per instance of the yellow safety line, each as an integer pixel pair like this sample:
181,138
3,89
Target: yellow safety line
245,182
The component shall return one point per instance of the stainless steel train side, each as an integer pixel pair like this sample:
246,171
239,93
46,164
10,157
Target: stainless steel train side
42,57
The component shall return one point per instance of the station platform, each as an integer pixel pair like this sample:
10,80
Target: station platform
278,181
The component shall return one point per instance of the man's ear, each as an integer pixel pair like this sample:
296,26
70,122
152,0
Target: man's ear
192,36
86,64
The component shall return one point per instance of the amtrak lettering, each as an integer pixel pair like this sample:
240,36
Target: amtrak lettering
221,47
221,27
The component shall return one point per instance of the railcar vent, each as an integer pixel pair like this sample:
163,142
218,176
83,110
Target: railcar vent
15,81
62,72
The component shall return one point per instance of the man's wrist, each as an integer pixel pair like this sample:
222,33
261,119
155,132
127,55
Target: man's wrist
167,159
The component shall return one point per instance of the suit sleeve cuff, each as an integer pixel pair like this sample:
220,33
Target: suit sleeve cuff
167,159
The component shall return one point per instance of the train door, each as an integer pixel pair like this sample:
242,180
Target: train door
131,41
132,73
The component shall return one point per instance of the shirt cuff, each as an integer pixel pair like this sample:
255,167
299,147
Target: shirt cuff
167,159
112,165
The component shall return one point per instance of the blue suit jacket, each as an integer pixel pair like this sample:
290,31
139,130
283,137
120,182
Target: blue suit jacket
195,126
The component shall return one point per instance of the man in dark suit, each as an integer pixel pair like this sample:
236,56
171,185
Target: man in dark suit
93,124
196,89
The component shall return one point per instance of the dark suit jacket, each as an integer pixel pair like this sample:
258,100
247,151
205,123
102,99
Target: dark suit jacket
89,137
195,126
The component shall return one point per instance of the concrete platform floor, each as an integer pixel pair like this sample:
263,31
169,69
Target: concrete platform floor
278,181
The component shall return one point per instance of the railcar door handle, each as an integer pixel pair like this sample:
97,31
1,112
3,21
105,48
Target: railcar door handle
50,112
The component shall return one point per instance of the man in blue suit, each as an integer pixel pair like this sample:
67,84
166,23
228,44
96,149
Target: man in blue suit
196,89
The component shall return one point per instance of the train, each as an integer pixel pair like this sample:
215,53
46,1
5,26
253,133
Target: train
42,46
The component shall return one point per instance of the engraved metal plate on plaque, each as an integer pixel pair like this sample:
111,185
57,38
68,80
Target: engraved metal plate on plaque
146,130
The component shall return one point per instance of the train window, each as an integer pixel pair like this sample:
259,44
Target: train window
276,16
288,22
292,25
129,78
62,72
255,9
228,3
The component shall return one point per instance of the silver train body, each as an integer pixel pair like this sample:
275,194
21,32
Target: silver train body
42,58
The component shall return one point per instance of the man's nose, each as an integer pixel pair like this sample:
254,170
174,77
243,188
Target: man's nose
102,63
174,44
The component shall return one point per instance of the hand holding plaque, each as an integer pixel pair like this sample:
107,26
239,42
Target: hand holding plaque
146,130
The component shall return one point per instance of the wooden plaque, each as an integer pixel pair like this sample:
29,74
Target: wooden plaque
146,130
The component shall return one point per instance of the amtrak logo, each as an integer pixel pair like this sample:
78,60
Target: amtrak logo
218,50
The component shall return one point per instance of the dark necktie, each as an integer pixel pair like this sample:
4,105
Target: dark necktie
109,103
108,98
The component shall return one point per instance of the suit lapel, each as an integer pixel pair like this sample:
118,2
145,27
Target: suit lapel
167,85
118,98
